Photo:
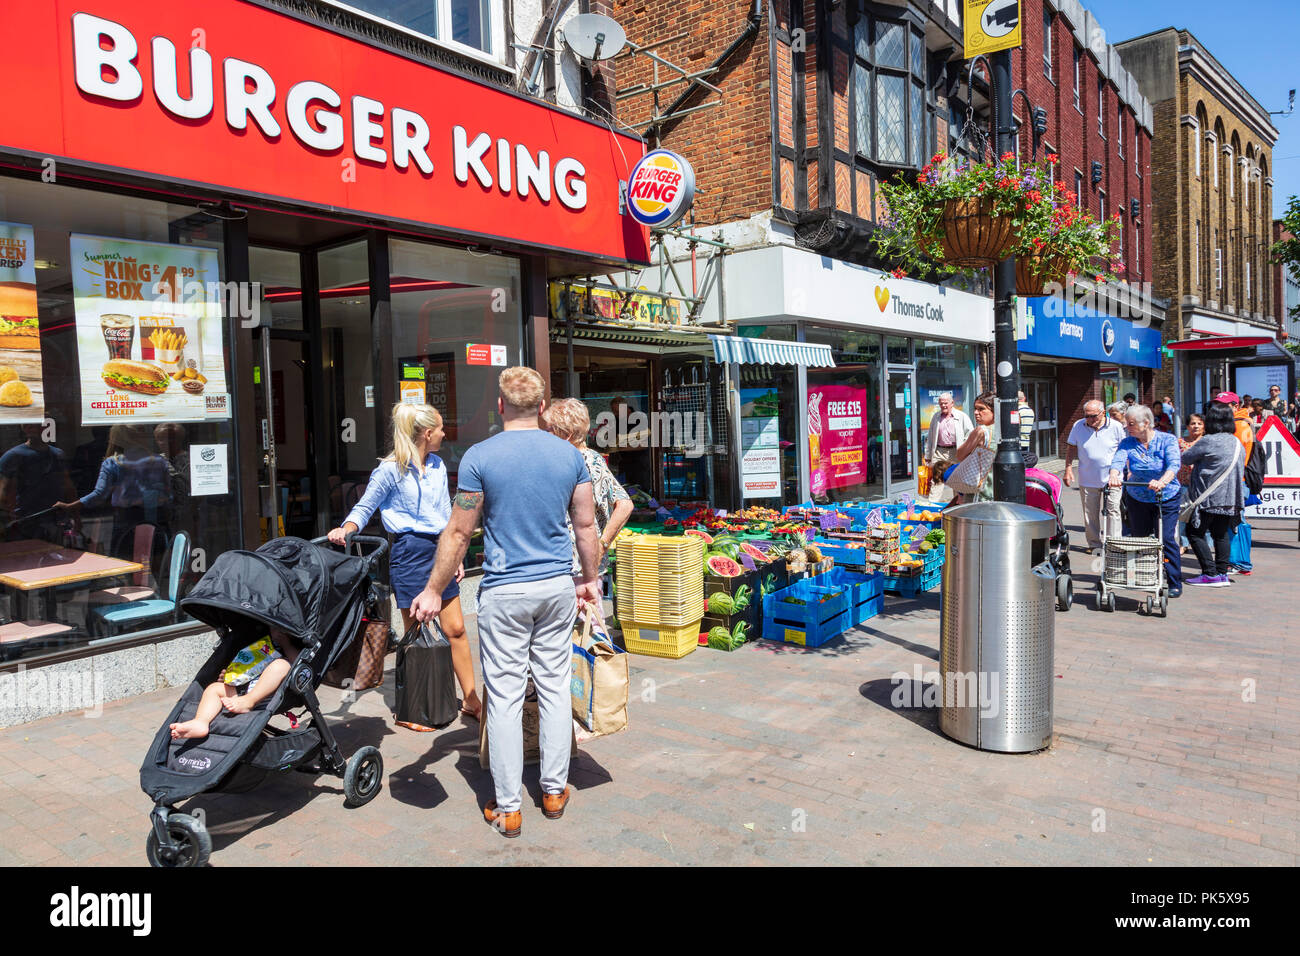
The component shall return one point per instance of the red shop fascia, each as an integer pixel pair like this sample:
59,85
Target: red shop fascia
233,101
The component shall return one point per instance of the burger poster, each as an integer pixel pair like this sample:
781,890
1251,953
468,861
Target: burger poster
150,331
22,394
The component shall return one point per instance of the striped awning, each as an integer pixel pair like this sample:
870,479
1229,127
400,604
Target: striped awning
747,351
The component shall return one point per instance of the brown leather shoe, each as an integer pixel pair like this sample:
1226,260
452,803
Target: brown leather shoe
510,824
553,804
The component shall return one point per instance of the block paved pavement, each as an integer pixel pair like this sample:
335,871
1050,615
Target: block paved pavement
780,755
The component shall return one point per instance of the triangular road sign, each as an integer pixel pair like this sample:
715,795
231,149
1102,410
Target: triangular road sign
1281,453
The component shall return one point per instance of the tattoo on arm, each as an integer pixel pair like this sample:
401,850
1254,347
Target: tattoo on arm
469,500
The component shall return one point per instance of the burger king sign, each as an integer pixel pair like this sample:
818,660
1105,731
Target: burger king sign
660,189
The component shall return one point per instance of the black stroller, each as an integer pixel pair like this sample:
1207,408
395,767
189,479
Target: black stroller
315,594
1043,491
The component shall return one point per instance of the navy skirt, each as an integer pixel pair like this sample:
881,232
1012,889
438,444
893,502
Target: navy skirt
411,563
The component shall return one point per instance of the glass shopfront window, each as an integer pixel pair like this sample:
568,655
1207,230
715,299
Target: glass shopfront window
767,400
944,367
457,322
846,454
118,462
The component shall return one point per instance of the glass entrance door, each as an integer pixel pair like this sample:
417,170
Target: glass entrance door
1041,396
900,442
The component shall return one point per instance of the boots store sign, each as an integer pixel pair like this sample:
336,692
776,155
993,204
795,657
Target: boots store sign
231,95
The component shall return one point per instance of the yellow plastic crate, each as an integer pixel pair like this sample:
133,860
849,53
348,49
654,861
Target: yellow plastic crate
657,640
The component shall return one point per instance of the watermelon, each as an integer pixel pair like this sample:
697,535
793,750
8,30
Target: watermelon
707,538
724,567
727,546
756,553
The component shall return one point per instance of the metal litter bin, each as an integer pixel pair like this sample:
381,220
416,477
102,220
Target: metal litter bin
997,627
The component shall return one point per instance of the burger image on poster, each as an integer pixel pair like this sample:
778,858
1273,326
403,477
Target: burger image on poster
20,343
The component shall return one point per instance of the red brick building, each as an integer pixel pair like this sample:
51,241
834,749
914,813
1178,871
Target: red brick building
1100,125
823,100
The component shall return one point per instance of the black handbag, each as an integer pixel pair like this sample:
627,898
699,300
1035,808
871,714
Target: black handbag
426,683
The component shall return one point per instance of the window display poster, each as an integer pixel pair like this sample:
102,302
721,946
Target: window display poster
760,443
22,389
151,338
930,402
209,473
1256,380
837,437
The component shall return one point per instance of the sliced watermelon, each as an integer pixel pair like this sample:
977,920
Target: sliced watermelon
756,553
724,567
708,538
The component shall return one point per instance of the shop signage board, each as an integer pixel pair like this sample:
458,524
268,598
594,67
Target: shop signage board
836,437
257,102
760,443
1047,325
151,339
605,306
992,25
782,283
22,387
661,189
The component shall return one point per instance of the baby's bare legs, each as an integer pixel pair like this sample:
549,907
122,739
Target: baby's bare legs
209,707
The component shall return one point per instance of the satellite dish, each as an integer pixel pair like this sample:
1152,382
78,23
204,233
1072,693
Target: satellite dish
594,36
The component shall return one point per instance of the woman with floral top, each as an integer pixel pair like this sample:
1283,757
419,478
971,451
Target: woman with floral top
569,419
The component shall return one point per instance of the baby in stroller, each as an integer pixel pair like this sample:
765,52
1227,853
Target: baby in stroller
251,677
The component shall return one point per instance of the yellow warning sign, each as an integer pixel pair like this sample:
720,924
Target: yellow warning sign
992,25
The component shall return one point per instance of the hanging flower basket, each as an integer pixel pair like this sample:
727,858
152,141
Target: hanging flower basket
1035,273
959,215
972,235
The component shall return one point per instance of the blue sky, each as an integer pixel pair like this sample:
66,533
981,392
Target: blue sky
1255,40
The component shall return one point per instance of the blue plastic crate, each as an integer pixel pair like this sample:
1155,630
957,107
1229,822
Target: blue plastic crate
868,609
811,624
839,551
865,592
914,584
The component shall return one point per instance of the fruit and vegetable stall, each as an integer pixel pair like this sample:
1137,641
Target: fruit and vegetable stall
687,576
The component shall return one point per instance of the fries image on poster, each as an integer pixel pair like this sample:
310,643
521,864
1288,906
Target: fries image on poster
22,389
150,331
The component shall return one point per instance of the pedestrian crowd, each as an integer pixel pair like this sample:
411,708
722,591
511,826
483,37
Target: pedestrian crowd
1133,470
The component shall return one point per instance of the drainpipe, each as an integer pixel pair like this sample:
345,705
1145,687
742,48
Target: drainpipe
755,20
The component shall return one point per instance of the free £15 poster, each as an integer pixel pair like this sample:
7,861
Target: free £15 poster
836,437
22,389
150,337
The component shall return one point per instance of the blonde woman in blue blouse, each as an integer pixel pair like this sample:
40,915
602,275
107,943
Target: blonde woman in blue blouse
409,489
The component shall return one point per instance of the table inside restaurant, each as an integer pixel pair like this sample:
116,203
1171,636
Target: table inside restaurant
40,566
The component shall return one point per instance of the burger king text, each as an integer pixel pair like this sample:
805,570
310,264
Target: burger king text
106,55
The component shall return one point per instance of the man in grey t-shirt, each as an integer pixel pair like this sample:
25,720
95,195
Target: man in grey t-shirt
522,481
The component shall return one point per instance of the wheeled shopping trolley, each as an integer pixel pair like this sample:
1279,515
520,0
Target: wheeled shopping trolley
1134,564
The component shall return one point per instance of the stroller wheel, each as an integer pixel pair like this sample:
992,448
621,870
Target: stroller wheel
1064,592
193,843
363,777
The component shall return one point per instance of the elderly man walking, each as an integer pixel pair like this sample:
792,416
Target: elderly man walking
949,427
1095,438
523,481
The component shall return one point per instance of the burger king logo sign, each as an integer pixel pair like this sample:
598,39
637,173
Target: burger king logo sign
660,189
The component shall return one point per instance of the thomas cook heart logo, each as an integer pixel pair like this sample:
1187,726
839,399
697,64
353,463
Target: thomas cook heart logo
882,297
